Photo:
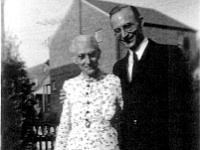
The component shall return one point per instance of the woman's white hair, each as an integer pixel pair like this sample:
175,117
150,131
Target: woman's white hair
80,40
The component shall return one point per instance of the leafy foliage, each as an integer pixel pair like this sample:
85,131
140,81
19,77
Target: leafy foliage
16,91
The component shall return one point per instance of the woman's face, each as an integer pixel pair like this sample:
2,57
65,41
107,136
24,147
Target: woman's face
87,57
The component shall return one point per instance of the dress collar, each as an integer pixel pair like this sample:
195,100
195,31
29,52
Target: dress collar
100,75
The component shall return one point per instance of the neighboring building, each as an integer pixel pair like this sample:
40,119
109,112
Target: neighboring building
39,75
91,17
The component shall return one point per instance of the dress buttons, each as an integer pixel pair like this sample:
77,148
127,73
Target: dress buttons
87,123
135,122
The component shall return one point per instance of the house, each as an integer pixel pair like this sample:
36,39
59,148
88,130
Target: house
92,17
39,75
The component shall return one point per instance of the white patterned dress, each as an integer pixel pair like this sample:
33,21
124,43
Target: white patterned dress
88,108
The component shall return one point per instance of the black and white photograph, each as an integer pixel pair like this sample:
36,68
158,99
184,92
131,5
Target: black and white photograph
100,75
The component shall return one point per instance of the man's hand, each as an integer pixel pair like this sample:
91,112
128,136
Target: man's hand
62,96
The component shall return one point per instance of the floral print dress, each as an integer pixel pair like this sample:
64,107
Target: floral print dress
88,108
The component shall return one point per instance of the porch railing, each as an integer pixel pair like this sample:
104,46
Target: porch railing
43,135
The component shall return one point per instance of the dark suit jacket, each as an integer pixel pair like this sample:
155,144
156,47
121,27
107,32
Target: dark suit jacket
157,101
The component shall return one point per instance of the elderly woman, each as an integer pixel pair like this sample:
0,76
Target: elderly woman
90,102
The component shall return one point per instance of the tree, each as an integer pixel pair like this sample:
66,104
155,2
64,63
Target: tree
16,91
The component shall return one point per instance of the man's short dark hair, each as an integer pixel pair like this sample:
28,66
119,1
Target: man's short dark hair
120,7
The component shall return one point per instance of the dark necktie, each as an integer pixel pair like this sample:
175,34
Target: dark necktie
135,59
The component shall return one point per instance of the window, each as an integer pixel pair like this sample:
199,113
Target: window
180,38
46,103
53,85
98,35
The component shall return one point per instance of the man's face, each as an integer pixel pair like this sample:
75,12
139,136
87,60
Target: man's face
87,58
127,28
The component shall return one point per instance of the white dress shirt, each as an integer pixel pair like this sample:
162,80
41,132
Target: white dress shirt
139,52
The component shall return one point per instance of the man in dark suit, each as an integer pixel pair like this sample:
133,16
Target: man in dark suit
155,85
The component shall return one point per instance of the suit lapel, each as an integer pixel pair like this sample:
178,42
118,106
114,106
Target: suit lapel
147,52
145,57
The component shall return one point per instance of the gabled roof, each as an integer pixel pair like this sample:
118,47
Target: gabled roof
69,70
150,16
39,73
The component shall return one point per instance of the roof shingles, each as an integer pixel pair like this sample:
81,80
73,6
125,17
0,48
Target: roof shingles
149,15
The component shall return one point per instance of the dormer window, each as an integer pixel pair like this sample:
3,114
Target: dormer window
98,35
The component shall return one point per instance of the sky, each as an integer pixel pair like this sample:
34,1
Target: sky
34,21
